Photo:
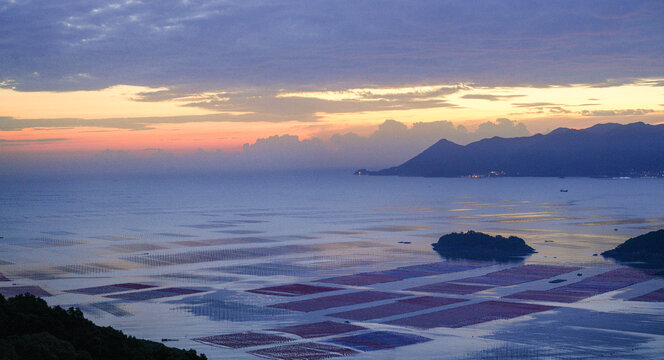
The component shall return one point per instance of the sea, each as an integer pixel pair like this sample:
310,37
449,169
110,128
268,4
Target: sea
324,264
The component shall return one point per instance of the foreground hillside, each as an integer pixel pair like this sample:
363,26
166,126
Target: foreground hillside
30,329
605,150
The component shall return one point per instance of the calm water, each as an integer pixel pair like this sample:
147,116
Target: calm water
218,236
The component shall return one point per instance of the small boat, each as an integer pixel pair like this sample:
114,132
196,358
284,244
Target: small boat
563,190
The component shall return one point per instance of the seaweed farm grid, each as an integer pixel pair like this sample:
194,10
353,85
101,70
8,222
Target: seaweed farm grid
356,280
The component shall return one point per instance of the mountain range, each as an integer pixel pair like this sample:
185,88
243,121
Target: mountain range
603,150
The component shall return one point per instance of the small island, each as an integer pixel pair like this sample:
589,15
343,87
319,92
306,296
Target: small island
645,250
479,246
30,329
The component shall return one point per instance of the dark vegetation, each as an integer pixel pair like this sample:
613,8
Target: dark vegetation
645,250
479,246
604,150
30,329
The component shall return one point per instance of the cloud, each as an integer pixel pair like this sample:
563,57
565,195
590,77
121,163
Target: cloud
627,81
503,128
285,152
257,105
13,142
559,110
534,104
394,142
288,105
7,84
303,106
390,144
489,97
634,112
139,123
208,44
378,93
285,144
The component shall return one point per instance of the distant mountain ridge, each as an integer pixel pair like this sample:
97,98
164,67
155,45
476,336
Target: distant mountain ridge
603,150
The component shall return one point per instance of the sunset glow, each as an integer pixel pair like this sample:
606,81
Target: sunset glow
539,108
180,77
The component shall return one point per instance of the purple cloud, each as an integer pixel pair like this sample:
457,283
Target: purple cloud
76,44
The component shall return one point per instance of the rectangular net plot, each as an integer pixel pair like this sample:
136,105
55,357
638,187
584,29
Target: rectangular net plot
404,272
48,242
209,226
201,278
655,296
58,232
293,290
113,238
136,247
319,329
431,301
345,245
154,294
90,268
304,351
181,291
594,285
194,257
39,274
190,243
400,274
264,269
240,232
396,308
19,290
519,275
470,314
111,308
556,295
107,289
610,280
628,274
413,271
361,279
333,301
221,310
443,267
450,288
175,235
379,340
242,340
236,240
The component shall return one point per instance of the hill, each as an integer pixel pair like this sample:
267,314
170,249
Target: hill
646,249
604,150
30,329
479,246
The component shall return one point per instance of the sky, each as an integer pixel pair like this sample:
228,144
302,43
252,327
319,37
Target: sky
136,85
